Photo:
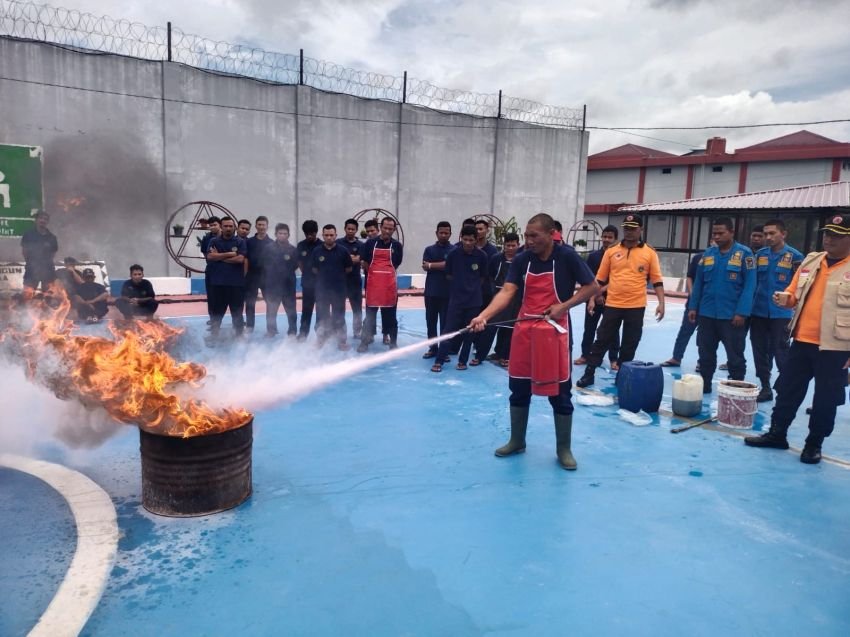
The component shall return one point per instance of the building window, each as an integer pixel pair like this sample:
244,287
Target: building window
717,169
666,171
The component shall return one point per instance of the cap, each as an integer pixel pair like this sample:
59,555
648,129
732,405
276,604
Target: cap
557,236
88,272
633,221
839,224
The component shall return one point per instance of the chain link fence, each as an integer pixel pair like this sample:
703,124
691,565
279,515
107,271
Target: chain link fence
87,32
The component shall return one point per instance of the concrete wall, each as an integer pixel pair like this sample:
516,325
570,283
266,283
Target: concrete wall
784,174
613,186
660,186
143,138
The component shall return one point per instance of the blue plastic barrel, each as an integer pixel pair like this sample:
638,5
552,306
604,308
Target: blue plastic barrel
639,386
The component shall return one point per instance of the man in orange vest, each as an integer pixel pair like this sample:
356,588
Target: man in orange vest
819,293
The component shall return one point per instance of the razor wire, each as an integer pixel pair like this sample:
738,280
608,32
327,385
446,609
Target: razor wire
103,34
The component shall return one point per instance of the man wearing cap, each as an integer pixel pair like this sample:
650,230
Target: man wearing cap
722,300
90,299
39,247
819,296
625,270
775,266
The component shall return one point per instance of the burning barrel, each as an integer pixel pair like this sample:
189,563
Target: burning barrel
199,475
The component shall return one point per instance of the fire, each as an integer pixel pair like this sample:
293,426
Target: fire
70,203
130,375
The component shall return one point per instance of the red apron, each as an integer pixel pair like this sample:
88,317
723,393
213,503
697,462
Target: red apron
538,351
381,286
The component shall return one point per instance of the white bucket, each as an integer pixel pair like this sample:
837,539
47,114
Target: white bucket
687,395
736,403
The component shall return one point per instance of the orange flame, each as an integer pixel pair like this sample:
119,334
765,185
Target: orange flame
130,375
69,203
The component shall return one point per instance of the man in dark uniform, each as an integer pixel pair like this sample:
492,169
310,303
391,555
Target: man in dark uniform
354,282
308,278
69,277
90,299
818,295
499,268
214,230
227,255
545,277
138,298
331,264
243,229
436,285
254,279
465,268
39,247
381,256
591,319
279,265
484,341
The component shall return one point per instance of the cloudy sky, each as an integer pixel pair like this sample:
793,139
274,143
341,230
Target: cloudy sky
647,63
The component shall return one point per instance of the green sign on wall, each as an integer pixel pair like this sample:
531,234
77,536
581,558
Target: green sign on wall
20,188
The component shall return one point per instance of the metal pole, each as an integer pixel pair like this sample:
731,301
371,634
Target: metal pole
301,69
169,42
499,112
404,91
583,117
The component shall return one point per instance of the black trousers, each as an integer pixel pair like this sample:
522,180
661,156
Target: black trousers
96,310
330,315
145,309
436,311
389,323
711,332
591,321
223,298
43,273
354,294
608,333
252,289
503,342
273,302
805,362
458,317
521,395
770,340
308,301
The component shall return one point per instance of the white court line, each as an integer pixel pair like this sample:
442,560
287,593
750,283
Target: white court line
97,545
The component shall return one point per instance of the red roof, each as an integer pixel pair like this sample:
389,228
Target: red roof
832,195
800,139
632,151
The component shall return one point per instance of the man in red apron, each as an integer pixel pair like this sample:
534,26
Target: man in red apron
545,276
381,257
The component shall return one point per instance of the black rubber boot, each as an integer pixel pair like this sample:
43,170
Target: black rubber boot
812,450
588,378
563,436
519,424
773,439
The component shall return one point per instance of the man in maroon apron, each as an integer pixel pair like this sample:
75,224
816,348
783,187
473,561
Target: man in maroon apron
381,257
545,276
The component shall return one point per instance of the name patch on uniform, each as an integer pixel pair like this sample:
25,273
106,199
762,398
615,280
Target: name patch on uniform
733,276
708,260
804,274
736,258
763,261
321,258
751,264
474,266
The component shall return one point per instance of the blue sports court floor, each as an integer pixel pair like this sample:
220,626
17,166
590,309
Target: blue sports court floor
379,509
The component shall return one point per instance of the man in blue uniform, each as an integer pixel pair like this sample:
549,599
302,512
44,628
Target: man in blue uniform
381,257
39,247
591,319
436,284
722,301
484,341
331,264
227,277
254,278
214,230
465,268
775,267
308,278
354,282
280,260
499,267
545,277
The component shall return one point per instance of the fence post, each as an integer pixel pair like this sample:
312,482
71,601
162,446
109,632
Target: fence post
583,117
499,112
169,42
404,91
301,69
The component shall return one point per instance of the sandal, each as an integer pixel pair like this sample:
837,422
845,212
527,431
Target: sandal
474,362
504,362
436,368
429,354
461,366
671,363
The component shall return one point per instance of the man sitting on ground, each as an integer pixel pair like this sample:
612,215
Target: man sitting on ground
90,299
138,299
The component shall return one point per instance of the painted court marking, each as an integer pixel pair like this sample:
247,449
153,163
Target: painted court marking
97,545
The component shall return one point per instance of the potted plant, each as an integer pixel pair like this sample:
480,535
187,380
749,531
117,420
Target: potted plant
178,228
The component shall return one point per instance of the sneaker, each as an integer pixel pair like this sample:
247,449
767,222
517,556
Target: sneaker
765,395
586,380
811,454
770,440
